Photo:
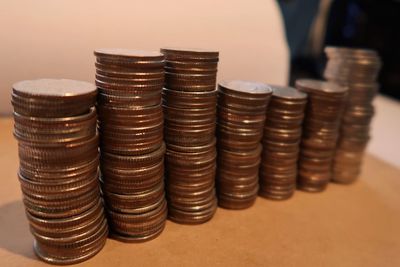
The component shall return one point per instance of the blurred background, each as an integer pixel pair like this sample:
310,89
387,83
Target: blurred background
370,24
273,41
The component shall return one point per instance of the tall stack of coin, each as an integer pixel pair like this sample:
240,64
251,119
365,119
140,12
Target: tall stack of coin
325,105
358,70
190,115
55,125
242,107
131,124
282,135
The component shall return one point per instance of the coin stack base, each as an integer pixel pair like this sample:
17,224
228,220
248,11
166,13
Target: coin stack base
130,84
133,189
358,70
59,158
241,116
282,135
325,105
190,109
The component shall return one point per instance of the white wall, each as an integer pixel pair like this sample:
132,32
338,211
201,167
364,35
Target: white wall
385,130
56,38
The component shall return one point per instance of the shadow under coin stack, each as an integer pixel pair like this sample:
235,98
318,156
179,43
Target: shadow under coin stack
242,107
190,114
281,141
55,125
130,83
358,70
325,105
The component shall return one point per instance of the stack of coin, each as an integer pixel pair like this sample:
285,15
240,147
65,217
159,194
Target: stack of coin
282,135
358,70
190,114
131,124
242,107
325,105
55,125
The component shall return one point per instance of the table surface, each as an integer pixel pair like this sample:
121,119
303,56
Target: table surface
354,225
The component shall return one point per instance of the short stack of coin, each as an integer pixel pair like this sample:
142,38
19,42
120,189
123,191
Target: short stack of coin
131,125
282,135
190,115
358,70
55,125
325,105
242,109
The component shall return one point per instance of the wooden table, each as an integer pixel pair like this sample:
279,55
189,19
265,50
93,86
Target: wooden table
356,225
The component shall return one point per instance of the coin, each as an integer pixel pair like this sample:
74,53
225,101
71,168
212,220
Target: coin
189,101
325,106
241,88
131,124
182,99
53,97
139,227
237,201
67,255
136,203
128,54
241,115
357,69
195,54
55,126
194,216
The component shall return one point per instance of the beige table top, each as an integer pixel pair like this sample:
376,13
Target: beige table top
356,225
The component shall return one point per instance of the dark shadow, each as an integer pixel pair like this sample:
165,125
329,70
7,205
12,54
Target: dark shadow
14,230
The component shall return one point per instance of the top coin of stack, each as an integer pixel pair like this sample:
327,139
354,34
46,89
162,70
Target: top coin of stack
242,107
282,135
358,70
347,65
131,123
326,102
190,113
59,168
39,98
